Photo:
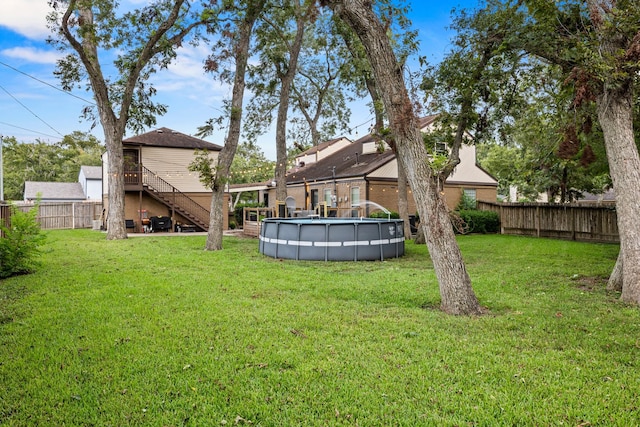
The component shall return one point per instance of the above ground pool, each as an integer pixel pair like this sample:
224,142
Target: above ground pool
332,239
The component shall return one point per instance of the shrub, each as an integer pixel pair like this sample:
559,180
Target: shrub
382,214
20,243
480,221
466,202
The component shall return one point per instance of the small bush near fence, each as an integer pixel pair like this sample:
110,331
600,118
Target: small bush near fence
480,221
20,243
384,215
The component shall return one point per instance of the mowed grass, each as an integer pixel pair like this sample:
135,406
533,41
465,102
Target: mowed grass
156,331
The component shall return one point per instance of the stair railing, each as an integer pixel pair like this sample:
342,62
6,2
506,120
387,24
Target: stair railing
174,196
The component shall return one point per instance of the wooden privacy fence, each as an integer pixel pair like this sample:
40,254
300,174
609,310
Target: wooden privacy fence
63,215
587,223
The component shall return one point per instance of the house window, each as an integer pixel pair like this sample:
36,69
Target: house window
355,196
327,196
441,148
469,198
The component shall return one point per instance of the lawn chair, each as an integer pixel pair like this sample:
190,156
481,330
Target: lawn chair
290,203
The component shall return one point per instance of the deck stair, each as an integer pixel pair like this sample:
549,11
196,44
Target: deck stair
173,198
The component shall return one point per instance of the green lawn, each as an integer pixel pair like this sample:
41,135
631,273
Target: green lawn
156,331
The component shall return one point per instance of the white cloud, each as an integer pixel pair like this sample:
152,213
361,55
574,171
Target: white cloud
29,17
26,17
186,75
39,56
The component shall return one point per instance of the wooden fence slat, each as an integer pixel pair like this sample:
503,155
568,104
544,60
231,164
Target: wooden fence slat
590,223
64,215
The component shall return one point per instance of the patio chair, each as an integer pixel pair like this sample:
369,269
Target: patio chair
290,203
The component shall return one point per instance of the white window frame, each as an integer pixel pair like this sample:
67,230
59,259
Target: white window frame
327,196
354,194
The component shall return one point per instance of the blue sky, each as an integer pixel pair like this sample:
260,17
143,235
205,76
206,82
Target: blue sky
30,108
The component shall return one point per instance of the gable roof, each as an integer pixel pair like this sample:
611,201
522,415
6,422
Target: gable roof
423,122
53,190
353,161
169,138
348,162
320,147
92,172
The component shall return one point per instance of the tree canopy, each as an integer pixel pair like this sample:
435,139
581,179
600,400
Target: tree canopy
49,162
113,54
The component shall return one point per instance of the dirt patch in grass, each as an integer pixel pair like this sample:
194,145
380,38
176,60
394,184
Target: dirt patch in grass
590,284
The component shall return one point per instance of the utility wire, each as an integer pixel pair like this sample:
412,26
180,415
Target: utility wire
27,108
30,130
47,84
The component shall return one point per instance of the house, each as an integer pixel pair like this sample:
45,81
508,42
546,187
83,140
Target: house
50,192
90,178
158,183
607,197
322,150
362,174
88,188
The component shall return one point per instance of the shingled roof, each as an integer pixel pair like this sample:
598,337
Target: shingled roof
348,162
50,191
92,172
165,137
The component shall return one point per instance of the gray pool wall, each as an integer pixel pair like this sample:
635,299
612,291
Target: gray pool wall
332,239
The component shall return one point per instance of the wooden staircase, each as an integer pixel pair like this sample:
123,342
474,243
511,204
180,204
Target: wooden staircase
174,199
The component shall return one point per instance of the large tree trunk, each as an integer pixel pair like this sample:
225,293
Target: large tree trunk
216,218
615,114
286,80
455,285
403,200
614,284
115,160
112,127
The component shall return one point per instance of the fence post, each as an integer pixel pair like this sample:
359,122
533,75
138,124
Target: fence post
573,222
537,221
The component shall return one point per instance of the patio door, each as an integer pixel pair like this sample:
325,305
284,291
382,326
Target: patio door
131,166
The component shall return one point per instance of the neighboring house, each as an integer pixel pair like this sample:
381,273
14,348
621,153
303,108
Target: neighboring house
90,178
53,191
363,171
88,188
608,197
322,150
158,182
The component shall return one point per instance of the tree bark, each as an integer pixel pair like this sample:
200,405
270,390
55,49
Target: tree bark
286,80
457,296
614,284
615,114
216,218
112,127
403,204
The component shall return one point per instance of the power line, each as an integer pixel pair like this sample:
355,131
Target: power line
30,130
27,108
47,84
